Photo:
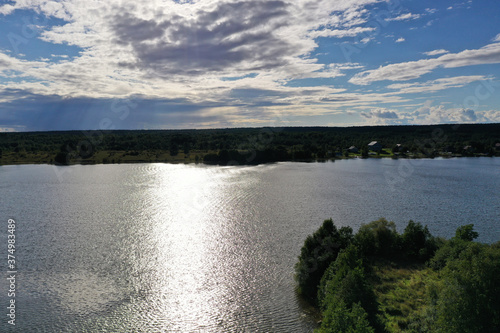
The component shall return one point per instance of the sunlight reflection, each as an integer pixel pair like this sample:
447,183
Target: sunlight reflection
182,227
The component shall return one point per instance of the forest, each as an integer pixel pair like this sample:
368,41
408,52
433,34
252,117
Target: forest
378,280
246,146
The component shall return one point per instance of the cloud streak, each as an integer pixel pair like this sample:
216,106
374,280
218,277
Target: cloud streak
489,54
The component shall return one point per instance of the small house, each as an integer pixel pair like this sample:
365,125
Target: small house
469,149
353,149
375,146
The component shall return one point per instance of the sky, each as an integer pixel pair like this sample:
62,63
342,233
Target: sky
164,64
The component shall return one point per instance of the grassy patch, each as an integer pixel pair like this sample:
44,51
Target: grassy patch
401,290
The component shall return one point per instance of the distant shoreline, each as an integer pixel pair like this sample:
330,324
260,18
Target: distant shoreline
249,146
43,160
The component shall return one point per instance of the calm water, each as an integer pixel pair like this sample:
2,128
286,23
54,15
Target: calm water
184,248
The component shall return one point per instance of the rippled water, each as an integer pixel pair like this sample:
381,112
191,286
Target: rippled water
184,248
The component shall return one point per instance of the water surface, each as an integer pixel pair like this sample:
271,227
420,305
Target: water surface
185,248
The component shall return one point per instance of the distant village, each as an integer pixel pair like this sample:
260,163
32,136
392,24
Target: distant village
376,148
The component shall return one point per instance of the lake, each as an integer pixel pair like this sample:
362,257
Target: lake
193,248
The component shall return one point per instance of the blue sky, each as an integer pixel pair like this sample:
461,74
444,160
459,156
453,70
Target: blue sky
78,65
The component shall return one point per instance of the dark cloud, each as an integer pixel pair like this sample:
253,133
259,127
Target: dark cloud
238,36
41,113
32,112
130,29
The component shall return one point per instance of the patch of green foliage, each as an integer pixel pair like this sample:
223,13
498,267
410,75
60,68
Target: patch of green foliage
381,281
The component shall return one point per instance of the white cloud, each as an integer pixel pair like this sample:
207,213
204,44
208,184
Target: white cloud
441,115
340,33
436,52
171,48
435,85
7,9
427,114
8,129
400,40
404,17
381,113
489,54
497,38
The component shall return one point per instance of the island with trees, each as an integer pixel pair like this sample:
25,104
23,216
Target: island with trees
248,146
378,280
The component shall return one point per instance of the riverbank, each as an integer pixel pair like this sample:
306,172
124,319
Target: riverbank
119,157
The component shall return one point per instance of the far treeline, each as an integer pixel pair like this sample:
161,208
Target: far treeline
378,280
249,145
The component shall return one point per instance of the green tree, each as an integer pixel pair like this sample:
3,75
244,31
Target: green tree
319,250
470,299
449,251
417,241
346,282
466,233
62,158
174,149
341,319
378,238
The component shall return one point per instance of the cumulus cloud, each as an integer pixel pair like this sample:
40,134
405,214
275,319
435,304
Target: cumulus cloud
428,114
440,114
381,113
177,47
227,38
489,54
400,40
